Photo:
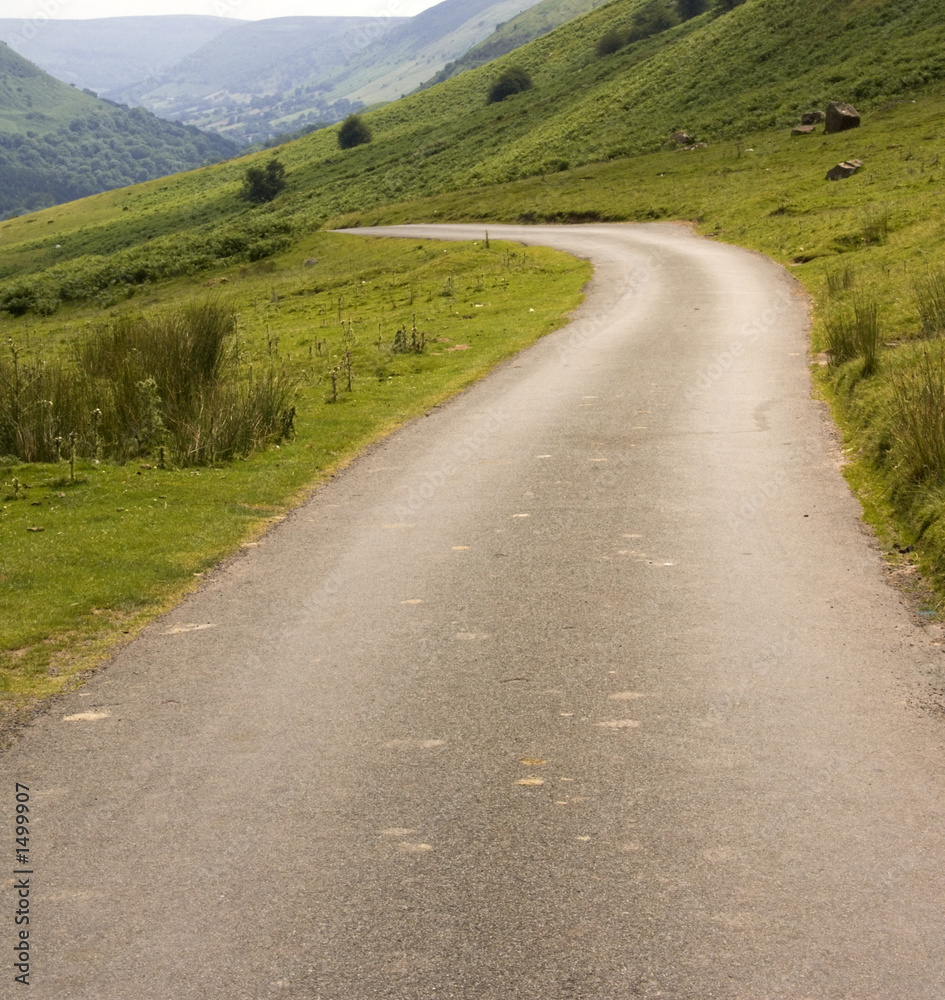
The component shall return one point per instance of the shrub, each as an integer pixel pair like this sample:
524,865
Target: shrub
688,9
140,384
262,184
354,131
513,81
611,42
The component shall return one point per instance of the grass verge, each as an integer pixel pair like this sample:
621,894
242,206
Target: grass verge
90,553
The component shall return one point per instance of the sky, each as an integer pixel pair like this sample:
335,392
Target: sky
251,10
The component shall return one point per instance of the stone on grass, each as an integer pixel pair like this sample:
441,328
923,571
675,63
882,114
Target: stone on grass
841,116
846,169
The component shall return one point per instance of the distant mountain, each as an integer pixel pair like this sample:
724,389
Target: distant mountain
410,54
530,24
104,54
261,77
58,143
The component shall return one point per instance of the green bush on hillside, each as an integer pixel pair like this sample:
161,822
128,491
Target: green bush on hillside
262,184
513,81
354,131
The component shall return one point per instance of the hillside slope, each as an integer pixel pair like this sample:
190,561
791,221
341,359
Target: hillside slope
398,64
513,34
106,53
261,77
58,143
786,58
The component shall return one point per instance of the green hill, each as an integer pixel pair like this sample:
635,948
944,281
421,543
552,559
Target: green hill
513,34
398,64
58,143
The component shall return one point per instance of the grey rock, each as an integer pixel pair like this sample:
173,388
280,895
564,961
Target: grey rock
840,117
803,130
846,169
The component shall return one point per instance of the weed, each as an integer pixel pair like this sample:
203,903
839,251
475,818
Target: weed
930,299
854,334
919,419
840,279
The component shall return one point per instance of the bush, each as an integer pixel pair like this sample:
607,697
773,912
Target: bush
688,9
262,184
611,42
142,384
513,81
354,131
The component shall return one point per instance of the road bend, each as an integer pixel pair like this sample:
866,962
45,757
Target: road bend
589,685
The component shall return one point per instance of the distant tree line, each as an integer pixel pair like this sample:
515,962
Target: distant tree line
43,166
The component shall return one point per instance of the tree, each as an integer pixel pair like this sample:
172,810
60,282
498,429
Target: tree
262,184
513,81
353,132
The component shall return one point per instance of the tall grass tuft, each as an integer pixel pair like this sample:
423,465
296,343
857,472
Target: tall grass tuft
854,334
919,420
930,298
142,385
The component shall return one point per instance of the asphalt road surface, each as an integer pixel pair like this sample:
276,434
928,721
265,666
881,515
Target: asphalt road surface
587,685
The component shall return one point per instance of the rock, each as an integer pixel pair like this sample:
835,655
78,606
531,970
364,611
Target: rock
698,145
846,169
840,117
803,130
813,118
682,138
311,262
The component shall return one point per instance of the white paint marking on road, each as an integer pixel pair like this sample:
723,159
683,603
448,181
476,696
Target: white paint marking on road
531,782
408,848
86,717
619,724
181,629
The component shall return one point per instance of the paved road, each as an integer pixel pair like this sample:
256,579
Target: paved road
588,685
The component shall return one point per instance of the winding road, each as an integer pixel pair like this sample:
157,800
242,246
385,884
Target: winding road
587,686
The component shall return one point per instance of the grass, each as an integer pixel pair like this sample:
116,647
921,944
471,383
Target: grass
87,561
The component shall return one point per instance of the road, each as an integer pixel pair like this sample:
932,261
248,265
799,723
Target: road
587,686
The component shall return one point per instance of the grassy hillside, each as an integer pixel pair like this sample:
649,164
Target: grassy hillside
588,142
513,34
398,64
58,143
106,53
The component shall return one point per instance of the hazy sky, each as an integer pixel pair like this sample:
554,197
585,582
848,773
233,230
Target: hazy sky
41,10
